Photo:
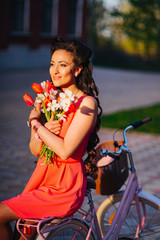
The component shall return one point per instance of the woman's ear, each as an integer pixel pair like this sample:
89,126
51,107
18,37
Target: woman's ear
77,71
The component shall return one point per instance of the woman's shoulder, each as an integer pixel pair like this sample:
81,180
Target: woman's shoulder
86,100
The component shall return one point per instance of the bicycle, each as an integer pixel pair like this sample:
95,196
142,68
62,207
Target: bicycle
127,214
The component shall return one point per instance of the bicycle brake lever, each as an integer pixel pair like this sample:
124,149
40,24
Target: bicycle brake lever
106,152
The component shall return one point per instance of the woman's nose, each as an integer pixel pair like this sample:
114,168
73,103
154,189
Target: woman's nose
56,69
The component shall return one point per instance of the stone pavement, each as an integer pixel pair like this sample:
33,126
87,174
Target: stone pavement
118,90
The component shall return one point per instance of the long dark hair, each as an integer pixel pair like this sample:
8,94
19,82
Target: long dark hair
86,84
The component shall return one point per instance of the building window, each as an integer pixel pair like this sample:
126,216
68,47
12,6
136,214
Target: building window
49,17
46,20
71,17
79,18
75,18
20,16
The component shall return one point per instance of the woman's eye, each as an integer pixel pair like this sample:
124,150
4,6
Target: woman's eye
63,65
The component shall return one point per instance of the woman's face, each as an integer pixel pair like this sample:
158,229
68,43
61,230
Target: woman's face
62,69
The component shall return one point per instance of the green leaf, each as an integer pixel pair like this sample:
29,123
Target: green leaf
47,114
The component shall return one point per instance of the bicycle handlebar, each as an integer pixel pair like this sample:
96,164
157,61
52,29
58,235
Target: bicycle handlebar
141,122
130,126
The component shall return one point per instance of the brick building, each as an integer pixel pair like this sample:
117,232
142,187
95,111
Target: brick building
28,26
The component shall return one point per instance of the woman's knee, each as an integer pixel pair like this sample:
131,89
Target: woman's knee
6,214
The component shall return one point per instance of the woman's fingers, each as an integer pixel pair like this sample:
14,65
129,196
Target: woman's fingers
56,131
35,113
53,126
52,117
37,107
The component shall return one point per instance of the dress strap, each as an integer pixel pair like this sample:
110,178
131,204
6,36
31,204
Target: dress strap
80,100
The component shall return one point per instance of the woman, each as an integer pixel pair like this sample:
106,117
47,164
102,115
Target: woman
59,190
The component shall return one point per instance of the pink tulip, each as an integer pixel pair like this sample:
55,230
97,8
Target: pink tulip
28,99
37,88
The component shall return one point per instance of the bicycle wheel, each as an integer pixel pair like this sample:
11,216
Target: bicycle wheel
75,229
107,211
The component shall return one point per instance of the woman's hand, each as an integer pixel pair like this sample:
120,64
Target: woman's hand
35,146
35,112
81,125
53,126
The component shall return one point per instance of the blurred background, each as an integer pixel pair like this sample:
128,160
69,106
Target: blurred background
125,38
122,33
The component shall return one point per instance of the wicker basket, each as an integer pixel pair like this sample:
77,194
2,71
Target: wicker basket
112,176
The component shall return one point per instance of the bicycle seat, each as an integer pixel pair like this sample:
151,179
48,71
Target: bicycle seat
90,183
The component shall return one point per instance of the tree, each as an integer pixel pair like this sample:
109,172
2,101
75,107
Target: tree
141,23
97,21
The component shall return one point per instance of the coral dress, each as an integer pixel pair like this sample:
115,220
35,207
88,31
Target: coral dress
57,190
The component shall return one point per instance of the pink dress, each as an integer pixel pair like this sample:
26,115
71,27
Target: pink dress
57,190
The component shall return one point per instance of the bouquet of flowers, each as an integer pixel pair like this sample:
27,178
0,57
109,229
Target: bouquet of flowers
53,101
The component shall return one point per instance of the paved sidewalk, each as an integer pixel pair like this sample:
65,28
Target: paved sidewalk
118,90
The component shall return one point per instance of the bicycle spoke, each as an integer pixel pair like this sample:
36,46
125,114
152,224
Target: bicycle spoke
151,228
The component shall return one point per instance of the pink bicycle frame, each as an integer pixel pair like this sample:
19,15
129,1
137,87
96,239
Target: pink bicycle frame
129,194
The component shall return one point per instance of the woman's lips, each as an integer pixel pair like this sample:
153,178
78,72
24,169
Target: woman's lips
56,78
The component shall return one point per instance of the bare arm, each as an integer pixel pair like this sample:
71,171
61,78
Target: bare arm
83,121
52,125
34,144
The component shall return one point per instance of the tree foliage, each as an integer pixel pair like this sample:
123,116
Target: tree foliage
142,23
97,20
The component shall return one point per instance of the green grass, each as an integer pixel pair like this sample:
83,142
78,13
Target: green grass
124,118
